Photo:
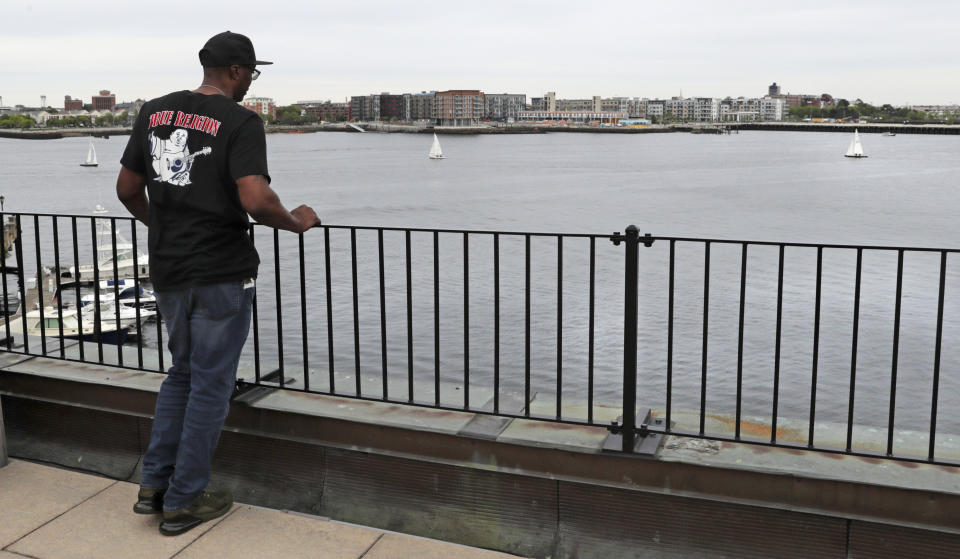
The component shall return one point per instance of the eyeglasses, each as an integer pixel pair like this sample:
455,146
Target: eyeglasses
254,73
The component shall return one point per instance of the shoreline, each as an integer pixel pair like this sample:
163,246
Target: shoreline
380,128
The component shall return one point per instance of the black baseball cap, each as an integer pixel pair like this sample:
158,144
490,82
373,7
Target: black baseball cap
227,49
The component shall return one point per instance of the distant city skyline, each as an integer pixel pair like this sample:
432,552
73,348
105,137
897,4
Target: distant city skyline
876,51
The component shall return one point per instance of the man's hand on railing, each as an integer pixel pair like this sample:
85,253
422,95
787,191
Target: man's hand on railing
306,217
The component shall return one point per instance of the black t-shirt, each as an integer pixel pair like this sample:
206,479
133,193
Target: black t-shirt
192,148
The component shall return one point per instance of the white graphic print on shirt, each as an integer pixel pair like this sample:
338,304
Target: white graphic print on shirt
172,159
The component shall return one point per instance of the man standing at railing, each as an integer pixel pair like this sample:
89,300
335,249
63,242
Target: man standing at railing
194,168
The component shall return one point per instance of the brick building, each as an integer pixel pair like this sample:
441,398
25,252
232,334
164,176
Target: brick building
71,104
263,106
460,107
325,110
106,101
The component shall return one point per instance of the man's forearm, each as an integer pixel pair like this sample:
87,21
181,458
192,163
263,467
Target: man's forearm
139,207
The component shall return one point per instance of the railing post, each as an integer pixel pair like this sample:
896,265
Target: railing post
3,439
630,338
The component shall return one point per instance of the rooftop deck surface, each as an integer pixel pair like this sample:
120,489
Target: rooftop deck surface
52,513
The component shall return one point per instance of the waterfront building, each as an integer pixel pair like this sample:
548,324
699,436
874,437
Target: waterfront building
635,107
744,109
365,108
380,106
324,110
594,104
263,106
696,109
771,109
459,107
106,101
937,110
504,106
393,107
654,108
572,117
423,106
71,104
773,90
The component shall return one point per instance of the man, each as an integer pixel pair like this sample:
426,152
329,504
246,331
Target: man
194,168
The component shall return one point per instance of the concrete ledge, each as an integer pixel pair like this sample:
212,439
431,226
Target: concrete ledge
531,488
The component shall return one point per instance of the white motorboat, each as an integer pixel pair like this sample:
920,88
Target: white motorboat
127,292
49,322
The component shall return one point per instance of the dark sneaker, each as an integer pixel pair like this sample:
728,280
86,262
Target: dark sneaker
207,506
149,501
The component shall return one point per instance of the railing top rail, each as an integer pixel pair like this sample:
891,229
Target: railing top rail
614,235
469,231
801,244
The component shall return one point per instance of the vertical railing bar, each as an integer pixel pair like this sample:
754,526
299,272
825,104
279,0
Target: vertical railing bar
118,333
776,351
383,318
8,340
706,323
40,287
466,322
816,348
631,285
936,356
356,312
18,246
59,296
303,315
409,266
436,318
76,282
256,325
276,288
896,351
590,327
526,342
559,326
136,292
496,323
853,352
97,322
671,289
743,297
329,287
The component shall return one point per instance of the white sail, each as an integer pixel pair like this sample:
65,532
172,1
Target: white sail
855,149
435,151
91,160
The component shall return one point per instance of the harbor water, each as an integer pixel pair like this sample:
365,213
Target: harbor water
758,186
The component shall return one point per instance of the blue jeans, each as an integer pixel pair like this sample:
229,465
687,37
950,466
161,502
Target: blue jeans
206,328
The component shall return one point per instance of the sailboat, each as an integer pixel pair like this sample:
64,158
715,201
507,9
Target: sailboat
435,151
91,160
855,150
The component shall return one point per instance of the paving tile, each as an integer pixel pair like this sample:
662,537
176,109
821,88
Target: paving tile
396,546
241,535
32,494
106,526
5,555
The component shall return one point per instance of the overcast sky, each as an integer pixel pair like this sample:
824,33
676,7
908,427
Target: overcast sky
880,51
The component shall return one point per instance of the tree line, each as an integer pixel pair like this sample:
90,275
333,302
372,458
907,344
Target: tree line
858,109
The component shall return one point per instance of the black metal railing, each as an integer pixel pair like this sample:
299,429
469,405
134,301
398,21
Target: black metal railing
777,344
